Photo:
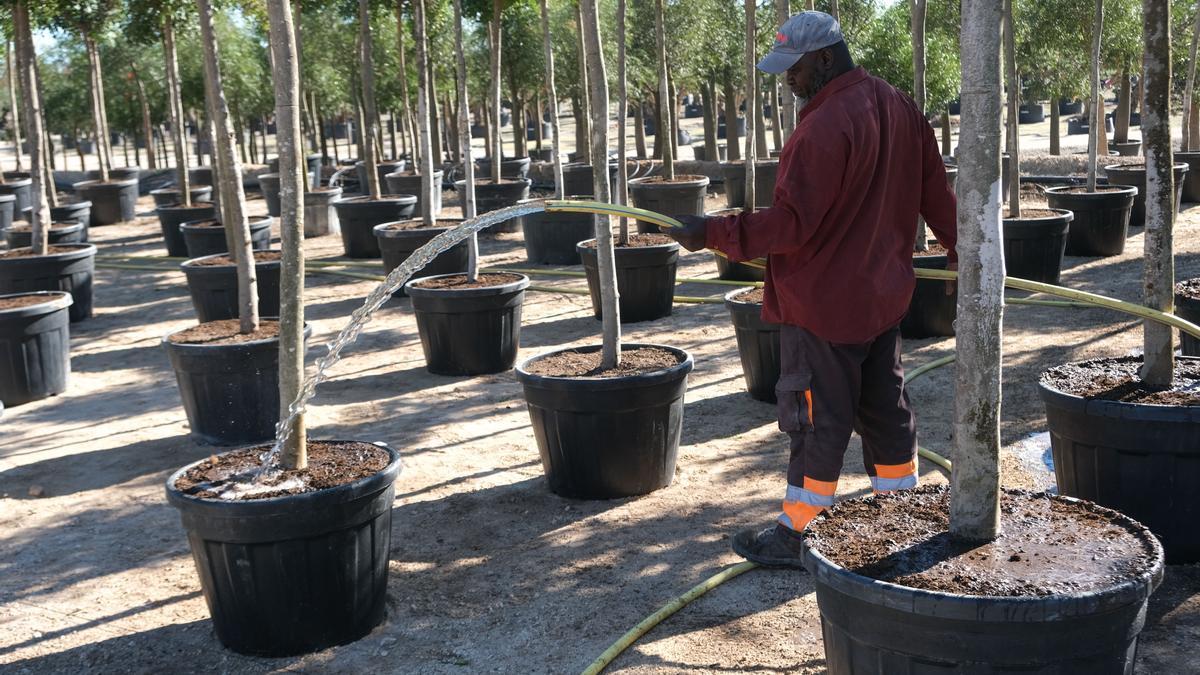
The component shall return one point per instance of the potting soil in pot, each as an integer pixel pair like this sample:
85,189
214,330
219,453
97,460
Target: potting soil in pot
223,260
934,249
1117,380
460,281
22,301
753,296
636,241
1047,546
224,332
28,252
238,474
587,364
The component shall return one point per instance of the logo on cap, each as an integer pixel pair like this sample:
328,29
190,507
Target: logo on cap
780,38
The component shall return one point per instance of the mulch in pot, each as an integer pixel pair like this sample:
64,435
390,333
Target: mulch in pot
587,364
330,464
1116,379
225,260
459,281
636,241
224,332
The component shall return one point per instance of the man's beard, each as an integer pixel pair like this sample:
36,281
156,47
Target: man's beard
819,80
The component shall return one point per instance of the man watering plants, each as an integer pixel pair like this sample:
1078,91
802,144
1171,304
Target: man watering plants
860,167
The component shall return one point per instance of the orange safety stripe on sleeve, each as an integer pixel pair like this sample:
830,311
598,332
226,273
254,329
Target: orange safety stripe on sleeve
821,487
896,470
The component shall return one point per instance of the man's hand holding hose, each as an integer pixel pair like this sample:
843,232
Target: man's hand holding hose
694,233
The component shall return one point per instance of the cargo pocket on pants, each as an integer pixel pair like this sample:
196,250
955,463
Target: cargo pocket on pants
794,397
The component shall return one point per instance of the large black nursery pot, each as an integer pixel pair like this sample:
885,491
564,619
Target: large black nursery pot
112,202
550,238
758,344
1135,175
1188,307
171,217
1130,148
645,276
60,233
611,437
21,189
358,216
214,287
35,347
735,271
269,184
1101,220
7,203
469,331
230,392
684,195
1191,179
872,626
200,175
382,169
207,237
398,241
491,196
1137,458
511,168
1033,247
1031,113
931,312
297,573
320,211
409,183
70,268
578,177
70,212
765,171
170,196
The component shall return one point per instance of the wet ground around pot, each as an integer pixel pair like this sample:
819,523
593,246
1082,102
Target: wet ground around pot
490,571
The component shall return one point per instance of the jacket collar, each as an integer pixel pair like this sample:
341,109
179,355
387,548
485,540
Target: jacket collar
843,81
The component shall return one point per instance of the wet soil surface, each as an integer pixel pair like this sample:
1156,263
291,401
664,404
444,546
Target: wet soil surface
24,301
1117,380
28,252
587,364
1048,545
418,224
1189,288
330,464
459,281
224,332
753,296
227,260
636,241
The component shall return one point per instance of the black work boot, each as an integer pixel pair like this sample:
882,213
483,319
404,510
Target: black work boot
776,546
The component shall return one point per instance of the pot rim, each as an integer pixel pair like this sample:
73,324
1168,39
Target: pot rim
1131,167
485,291
384,231
80,250
1113,190
167,344
361,200
732,299
1176,413
672,245
55,300
654,377
113,183
16,182
1064,215
253,222
504,182
681,180
9,197
189,264
180,207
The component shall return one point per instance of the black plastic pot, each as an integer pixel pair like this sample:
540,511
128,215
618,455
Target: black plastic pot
578,177
1066,107
765,171
491,196
21,188
605,438
73,212
35,349
645,277
230,392
7,203
409,183
60,233
71,270
512,168
200,175
269,184
358,216
1191,179
171,217
112,202
1031,113
684,196
397,245
758,345
202,240
931,312
702,154
468,331
1187,307
1101,218
872,626
1136,458
320,211
1135,175
170,196
311,569
550,238
214,288
1033,247
1126,148
382,169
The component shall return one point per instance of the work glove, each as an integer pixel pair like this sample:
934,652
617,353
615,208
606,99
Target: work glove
692,235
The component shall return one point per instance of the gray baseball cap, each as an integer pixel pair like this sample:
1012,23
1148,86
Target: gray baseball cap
802,33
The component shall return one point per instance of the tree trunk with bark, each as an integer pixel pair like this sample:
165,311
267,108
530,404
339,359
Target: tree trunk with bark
947,150
664,94
552,93
147,128
464,134
975,478
1158,276
583,135
1013,83
16,115
367,73
732,150
99,112
1124,104
622,196
783,12
710,121
175,105
435,117
425,120
26,66
760,121
1095,100
497,135
407,132
1055,124
748,61
1189,92
639,127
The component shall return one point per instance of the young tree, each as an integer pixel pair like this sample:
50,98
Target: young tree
26,66
497,138
1013,86
1189,100
752,99
975,479
229,175
552,94
1158,368
782,12
288,104
90,19
664,94
622,113
424,122
464,139
368,119
11,72
1096,100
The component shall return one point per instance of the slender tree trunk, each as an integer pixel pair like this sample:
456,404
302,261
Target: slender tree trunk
606,260
229,174
518,118
1194,123
782,12
147,130
1158,276
450,121
1055,127
975,479
537,122
622,196
657,117
408,134
1189,95
288,138
833,10
583,148
664,94
464,135
1014,105
425,118
760,122
732,150
97,106
917,28
367,73
947,150
26,60
1096,102
552,94
435,129
776,119
748,60
639,128
1121,123
175,105
498,138
673,111
16,115
710,121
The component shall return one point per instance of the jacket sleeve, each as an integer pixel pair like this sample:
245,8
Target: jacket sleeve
939,206
804,192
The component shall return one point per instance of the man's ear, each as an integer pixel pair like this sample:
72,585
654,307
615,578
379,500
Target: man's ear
827,57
